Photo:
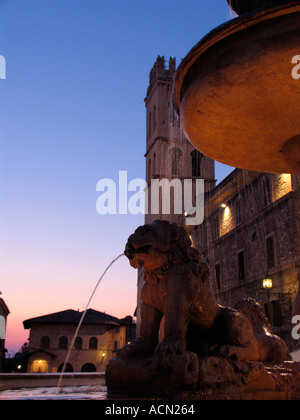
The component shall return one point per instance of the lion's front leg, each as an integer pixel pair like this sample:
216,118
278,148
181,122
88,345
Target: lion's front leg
146,343
175,326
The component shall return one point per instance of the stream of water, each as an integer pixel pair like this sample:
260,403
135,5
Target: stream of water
81,320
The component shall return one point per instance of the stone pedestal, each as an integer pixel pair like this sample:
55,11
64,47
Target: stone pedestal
152,376
208,378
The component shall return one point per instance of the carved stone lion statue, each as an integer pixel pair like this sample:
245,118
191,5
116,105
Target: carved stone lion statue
176,298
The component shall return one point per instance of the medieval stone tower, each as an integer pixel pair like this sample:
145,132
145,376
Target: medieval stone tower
169,154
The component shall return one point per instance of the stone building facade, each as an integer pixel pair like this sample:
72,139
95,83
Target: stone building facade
99,337
251,225
251,233
4,312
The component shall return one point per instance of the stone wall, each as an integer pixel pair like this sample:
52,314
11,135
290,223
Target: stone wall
255,239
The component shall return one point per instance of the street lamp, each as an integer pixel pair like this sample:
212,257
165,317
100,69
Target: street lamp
268,285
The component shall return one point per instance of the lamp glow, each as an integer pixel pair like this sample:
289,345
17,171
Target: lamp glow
267,284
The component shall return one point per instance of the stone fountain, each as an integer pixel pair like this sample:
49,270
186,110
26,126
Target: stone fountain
235,93
239,104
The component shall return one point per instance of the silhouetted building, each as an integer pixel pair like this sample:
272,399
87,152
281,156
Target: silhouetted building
4,311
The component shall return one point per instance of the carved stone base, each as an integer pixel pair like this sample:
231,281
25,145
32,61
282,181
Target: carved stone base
207,378
151,376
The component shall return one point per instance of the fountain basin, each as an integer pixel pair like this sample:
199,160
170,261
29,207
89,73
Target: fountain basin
236,95
246,6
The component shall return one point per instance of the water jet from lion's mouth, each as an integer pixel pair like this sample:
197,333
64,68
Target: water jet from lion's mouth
82,318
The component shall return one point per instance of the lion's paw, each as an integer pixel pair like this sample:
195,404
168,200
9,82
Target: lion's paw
137,348
170,345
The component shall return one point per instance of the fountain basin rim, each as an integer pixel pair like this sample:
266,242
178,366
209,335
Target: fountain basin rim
220,33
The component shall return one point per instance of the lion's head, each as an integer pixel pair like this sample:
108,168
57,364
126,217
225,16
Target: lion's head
159,243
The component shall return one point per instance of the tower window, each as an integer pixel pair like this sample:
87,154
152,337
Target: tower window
173,117
196,162
149,125
176,160
154,118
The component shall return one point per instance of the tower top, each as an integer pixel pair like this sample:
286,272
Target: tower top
161,70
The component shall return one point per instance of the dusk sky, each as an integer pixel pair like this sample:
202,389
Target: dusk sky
71,113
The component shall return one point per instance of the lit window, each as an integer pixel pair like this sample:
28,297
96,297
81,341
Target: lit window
39,366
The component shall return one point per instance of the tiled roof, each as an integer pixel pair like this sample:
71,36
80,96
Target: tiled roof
73,317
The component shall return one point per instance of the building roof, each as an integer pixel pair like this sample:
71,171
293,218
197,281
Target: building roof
73,317
3,308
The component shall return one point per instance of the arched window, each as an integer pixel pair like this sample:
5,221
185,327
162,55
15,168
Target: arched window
154,118
78,343
63,343
149,172
88,367
154,165
68,368
39,366
93,343
45,342
149,125
173,117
